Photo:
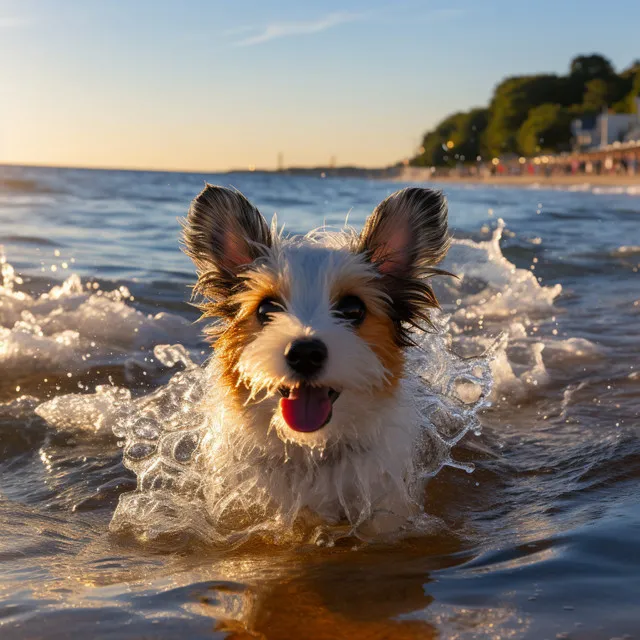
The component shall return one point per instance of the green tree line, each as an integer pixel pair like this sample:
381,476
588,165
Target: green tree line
532,114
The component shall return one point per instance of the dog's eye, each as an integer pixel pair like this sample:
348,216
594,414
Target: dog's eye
266,308
351,309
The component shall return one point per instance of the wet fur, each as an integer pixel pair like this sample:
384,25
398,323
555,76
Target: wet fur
240,262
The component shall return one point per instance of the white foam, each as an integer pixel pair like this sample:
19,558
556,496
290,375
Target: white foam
88,412
632,190
501,311
508,291
69,327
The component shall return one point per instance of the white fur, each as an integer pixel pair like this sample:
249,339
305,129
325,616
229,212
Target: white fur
360,466
356,466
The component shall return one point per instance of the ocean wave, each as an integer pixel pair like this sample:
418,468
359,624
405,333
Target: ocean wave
34,240
74,327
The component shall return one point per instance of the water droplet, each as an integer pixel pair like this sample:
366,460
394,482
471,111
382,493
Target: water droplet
185,447
140,451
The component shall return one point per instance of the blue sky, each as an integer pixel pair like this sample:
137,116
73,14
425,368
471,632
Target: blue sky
213,85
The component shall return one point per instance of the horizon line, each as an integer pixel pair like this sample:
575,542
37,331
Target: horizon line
196,171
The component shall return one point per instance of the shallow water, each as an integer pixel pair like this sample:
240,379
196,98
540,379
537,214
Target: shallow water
540,541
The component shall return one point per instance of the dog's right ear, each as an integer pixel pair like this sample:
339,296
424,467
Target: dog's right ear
224,232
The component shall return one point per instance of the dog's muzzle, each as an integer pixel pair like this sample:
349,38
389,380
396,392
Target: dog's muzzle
306,406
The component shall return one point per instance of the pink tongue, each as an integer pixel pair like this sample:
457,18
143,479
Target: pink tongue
306,408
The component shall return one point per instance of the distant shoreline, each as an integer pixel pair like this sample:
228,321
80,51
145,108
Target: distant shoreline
401,174
424,175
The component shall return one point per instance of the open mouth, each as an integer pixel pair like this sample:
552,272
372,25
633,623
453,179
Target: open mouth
306,408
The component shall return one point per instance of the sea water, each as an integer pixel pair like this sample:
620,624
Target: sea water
529,396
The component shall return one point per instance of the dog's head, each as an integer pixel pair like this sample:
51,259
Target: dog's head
311,331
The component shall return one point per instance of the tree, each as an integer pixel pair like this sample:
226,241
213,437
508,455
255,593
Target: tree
591,67
469,135
624,89
512,100
527,112
457,138
547,128
583,70
596,96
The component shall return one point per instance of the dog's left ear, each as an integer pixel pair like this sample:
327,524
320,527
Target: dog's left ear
224,232
407,234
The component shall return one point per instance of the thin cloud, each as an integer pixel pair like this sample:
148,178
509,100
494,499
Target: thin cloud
286,29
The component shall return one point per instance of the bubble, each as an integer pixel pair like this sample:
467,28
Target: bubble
185,447
140,451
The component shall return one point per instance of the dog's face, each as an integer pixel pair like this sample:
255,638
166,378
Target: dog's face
311,330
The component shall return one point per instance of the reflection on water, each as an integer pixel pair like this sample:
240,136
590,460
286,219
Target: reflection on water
540,541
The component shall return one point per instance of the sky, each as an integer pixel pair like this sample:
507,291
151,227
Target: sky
203,85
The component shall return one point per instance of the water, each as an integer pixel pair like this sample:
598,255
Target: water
539,541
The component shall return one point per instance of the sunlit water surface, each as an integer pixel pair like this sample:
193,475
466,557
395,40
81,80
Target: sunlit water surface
541,540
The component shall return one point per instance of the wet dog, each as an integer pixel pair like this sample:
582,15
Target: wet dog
310,335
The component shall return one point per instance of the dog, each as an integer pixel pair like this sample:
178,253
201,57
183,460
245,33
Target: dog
308,378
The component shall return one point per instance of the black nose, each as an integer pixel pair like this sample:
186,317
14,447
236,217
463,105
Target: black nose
306,356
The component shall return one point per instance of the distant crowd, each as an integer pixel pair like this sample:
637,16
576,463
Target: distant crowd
627,164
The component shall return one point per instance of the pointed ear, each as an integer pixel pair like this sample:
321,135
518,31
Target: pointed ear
224,232
407,233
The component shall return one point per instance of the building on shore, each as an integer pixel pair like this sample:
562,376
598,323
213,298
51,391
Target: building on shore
605,129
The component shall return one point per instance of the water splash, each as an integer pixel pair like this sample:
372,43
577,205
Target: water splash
74,327
507,291
498,309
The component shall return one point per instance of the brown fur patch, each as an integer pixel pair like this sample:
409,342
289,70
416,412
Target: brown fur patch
228,302
378,331
235,334
229,347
